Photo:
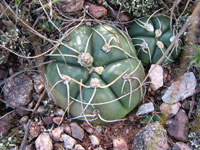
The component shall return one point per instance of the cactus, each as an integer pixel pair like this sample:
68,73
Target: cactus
96,75
151,38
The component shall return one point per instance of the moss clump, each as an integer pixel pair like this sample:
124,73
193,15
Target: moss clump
137,7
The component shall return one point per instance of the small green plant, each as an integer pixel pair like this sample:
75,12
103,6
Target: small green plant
196,58
151,36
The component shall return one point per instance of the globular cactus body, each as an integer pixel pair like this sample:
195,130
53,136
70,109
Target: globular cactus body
151,37
96,76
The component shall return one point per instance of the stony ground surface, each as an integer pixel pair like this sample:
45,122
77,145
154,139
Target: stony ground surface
29,119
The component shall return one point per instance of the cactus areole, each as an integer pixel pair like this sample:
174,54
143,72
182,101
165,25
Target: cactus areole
151,38
96,76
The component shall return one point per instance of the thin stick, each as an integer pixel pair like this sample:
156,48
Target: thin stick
26,133
39,101
22,71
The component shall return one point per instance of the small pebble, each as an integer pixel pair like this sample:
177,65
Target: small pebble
77,131
94,140
56,133
119,144
43,142
69,142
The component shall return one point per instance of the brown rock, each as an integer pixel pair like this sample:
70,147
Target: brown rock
34,129
21,112
123,17
29,147
7,122
56,133
181,146
67,129
67,6
58,146
77,131
97,11
23,120
119,144
17,91
178,129
87,127
44,142
47,120
57,120
4,127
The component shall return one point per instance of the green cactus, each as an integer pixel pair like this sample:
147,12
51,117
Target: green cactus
151,37
97,76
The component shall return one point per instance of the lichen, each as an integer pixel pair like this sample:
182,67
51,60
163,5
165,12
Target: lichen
137,7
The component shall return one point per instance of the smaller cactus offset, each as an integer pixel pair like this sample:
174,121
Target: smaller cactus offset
151,37
96,75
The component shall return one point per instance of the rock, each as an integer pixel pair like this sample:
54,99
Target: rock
99,148
87,128
68,6
47,120
23,120
180,89
169,110
59,112
56,133
29,147
145,108
5,127
34,130
119,144
77,131
178,129
2,74
67,129
186,105
41,110
38,83
69,142
57,120
21,112
181,146
17,91
43,142
94,140
123,17
153,136
79,147
156,76
97,11
58,146
7,122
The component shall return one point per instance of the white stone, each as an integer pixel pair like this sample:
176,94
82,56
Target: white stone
69,142
94,140
78,147
43,142
119,144
170,110
180,89
145,108
156,76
